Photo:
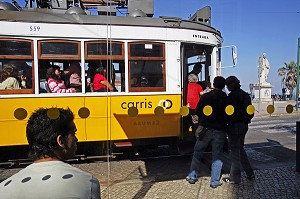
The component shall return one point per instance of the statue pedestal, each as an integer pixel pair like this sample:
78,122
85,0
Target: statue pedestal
262,92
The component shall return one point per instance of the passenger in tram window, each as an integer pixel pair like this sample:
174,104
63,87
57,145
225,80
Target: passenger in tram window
55,83
92,66
196,69
23,79
8,77
144,82
44,65
24,74
194,91
135,82
24,71
73,76
100,82
52,141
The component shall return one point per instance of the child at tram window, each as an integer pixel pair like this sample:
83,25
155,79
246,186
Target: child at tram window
55,83
8,77
100,82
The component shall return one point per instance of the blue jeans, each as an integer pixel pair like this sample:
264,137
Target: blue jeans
236,140
217,140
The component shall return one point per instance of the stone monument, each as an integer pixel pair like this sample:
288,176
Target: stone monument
263,89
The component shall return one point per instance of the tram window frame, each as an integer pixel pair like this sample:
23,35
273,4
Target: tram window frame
63,61
132,58
61,56
103,56
109,58
26,58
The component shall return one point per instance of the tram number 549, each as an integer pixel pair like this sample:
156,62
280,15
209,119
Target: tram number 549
34,28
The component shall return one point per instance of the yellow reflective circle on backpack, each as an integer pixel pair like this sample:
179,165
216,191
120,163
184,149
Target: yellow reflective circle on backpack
207,110
250,109
229,110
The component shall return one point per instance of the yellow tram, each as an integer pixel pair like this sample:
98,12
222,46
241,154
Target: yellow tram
159,52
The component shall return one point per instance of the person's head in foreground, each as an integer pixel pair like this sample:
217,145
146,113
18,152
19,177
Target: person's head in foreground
51,134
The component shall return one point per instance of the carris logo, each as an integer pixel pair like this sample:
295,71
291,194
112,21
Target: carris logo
167,104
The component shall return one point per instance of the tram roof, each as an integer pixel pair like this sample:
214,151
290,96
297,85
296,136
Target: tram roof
42,15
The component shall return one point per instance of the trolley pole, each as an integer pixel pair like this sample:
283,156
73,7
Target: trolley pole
298,146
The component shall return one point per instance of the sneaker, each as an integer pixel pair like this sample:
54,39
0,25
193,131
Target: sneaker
187,178
251,177
228,180
190,180
193,181
215,186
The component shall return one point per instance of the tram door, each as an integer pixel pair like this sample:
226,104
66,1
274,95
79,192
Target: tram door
191,55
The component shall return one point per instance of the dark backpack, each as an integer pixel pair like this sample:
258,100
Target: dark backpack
246,103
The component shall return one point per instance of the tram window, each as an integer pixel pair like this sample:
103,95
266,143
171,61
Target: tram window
109,54
64,54
102,48
146,73
12,47
16,66
69,78
146,50
15,74
115,74
61,48
146,67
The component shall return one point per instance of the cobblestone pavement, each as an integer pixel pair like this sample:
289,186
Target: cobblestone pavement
164,178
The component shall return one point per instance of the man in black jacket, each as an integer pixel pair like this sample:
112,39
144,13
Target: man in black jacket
237,129
212,117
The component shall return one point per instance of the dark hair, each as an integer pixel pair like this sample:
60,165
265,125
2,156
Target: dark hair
9,70
42,131
100,70
74,68
197,67
233,81
51,72
219,82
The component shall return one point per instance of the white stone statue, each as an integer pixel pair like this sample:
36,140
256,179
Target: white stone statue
263,69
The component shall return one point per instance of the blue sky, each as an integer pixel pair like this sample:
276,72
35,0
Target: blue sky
255,27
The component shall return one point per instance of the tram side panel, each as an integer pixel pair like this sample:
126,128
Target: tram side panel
97,124
121,126
13,120
149,123
108,119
